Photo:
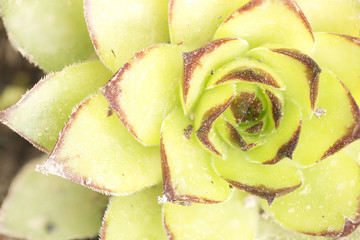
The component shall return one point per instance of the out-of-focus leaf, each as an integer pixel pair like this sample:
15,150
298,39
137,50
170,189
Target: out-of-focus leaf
49,207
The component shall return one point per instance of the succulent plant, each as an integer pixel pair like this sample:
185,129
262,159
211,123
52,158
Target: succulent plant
204,119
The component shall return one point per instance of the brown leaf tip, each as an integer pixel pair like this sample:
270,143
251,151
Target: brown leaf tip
313,70
256,128
207,121
287,150
236,138
347,229
170,194
192,61
353,132
276,106
262,191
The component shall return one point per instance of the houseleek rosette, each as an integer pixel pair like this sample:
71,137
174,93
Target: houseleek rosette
246,97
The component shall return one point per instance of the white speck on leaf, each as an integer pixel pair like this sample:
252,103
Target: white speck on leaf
250,202
162,199
319,112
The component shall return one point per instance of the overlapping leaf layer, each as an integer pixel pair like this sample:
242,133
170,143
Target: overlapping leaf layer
255,111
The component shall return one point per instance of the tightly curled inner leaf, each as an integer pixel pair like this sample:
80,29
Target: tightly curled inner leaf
256,101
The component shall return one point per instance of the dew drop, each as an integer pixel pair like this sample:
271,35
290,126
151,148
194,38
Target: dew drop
308,207
291,210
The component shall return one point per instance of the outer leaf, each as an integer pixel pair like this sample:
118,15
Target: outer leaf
266,181
43,111
135,217
97,151
52,34
263,21
340,54
329,197
338,16
119,29
333,130
48,207
228,220
270,229
194,23
145,90
187,172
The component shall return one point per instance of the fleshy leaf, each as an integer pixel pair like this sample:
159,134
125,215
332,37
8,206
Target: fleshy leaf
329,197
212,104
264,21
145,90
282,142
135,217
200,64
270,229
245,69
52,34
340,54
41,114
49,207
97,151
333,124
194,23
337,16
233,219
266,181
187,171
299,72
121,28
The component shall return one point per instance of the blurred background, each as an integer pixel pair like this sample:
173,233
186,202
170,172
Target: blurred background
16,76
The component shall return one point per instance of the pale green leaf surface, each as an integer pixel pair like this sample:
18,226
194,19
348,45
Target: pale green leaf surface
269,229
267,180
194,23
48,207
330,192
341,55
274,21
189,174
41,114
97,151
239,65
339,16
200,64
146,89
52,34
294,72
121,28
327,128
233,219
134,217
211,104
287,131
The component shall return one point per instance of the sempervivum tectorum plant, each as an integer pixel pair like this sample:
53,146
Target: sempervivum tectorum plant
252,107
